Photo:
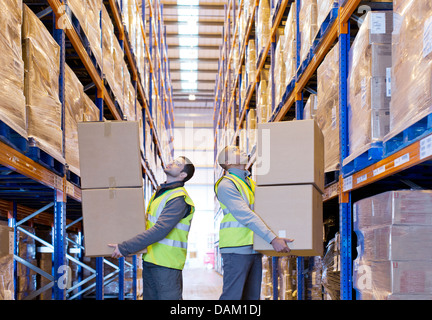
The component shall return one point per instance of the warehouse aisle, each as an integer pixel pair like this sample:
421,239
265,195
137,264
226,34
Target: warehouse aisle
201,284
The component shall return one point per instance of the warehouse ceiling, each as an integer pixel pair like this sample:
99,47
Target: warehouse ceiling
194,36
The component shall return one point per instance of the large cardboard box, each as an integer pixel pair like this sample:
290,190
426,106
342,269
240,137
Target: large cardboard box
109,154
290,152
293,212
111,216
6,240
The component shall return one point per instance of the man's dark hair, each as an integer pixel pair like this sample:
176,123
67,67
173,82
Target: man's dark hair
189,168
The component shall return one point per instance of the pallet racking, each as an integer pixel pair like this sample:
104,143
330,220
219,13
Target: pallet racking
37,190
400,162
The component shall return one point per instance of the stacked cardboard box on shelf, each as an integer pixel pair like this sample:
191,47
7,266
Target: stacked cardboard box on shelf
391,227
263,26
308,26
310,108
327,113
411,55
287,273
6,262
12,100
290,46
251,63
41,55
111,179
369,83
289,184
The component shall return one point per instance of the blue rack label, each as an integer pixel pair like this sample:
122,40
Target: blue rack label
426,147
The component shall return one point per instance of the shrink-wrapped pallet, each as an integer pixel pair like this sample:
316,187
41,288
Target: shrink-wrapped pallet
251,129
12,100
331,268
327,114
407,207
290,45
287,274
394,236
94,31
323,9
308,26
279,71
90,111
251,62
309,111
369,83
108,49
41,55
118,58
263,26
263,101
88,13
412,64
74,102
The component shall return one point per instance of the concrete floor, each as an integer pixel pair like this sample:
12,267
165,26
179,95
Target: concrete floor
201,284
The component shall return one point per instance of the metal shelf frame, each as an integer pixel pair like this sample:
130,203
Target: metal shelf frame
408,157
52,193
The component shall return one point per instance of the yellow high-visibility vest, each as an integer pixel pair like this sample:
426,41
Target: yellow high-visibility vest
232,233
171,251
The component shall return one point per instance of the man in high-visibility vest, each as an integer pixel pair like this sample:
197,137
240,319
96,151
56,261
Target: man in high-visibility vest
169,216
242,266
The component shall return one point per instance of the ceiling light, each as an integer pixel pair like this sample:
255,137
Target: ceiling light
192,97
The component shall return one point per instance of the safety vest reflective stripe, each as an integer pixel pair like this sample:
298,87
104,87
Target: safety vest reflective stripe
163,203
231,224
180,226
174,243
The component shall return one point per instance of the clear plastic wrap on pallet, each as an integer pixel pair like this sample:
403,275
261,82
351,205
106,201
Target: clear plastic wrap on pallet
248,6
383,280
402,207
331,270
308,26
93,33
263,26
243,86
242,28
310,108
251,128
267,276
395,242
327,114
41,55
323,9
90,111
12,100
287,278
74,102
7,287
251,62
107,45
279,71
118,58
412,55
394,236
369,83
26,278
263,101
290,45
129,98
313,279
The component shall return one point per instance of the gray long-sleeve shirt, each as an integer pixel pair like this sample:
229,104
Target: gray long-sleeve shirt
174,210
230,196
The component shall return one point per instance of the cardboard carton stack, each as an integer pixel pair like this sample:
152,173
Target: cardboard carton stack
41,55
111,179
369,83
288,196
412,64
6,262
327,114
394,231
12,100
308,26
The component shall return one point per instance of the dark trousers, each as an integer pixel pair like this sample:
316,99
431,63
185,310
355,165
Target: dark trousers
242,275
161,283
